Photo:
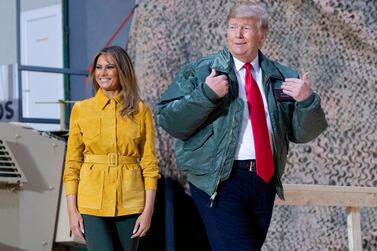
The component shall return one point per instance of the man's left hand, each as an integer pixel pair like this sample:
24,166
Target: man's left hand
299,89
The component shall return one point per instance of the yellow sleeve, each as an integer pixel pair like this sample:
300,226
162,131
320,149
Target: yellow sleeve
148,159
74,154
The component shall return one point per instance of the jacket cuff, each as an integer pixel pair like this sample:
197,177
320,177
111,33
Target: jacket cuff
150,183
70,187
307,102
210,94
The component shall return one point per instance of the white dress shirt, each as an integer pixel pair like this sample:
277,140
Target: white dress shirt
245,149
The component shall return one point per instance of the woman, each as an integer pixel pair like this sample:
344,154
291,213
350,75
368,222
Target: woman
111,169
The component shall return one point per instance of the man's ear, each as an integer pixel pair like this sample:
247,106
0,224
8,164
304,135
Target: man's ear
263,37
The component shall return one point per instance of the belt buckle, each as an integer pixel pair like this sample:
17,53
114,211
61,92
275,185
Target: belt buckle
252,166
112,159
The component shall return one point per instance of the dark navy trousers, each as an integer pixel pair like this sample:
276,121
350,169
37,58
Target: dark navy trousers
241,213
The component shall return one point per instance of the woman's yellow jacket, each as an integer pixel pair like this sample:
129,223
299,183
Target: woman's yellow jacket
110,159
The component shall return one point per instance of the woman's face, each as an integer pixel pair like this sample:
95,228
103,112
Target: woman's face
106,74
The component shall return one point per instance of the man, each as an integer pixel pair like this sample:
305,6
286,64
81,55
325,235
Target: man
233,114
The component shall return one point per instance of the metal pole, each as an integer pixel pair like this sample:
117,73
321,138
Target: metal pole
18,31
62,105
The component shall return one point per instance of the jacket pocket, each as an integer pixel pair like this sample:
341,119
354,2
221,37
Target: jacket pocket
91,128
132,187
286,111
199,139
129,131
198,152
90,188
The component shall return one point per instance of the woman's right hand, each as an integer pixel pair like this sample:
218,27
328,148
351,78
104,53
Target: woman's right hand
76,223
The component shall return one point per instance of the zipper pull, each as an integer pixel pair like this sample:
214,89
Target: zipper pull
213,196
212,199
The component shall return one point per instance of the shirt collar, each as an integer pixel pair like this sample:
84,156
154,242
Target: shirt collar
119,98
102,100
239,64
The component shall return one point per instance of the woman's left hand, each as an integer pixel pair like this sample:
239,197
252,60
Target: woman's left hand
142,225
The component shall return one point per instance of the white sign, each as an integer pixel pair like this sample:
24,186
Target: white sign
9,110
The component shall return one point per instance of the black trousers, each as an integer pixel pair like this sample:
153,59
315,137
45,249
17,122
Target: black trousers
241,213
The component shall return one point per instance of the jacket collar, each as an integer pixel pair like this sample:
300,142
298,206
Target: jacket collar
269,70
224,63
102,100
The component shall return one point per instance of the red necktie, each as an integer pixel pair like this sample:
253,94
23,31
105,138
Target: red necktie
263,153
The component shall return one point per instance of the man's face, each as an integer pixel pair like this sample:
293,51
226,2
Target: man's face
244,38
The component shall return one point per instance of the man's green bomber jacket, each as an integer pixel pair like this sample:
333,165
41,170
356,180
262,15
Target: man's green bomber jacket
207,128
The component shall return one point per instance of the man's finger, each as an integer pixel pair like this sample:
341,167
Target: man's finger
292,80
213,73
305,77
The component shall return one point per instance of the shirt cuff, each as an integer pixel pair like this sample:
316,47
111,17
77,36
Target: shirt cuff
210,94
307,102
70,187
150,183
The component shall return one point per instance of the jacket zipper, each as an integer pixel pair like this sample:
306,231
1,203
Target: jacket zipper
214,194
273,123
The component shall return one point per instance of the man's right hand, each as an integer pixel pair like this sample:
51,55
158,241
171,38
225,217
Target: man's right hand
218,84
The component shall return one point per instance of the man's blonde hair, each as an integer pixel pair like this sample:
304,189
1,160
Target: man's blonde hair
252,10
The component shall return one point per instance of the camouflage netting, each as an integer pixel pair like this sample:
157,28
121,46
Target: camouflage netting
333,39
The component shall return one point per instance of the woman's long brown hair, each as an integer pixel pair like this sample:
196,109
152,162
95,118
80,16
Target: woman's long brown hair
126,75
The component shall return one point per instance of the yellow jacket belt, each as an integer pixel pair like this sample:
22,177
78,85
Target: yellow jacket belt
111,159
